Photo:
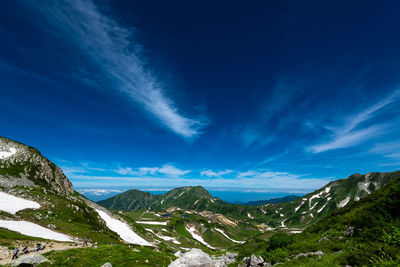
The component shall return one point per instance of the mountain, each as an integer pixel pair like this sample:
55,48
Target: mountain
188,197
24,165
272,200
299,212
364,233
37,201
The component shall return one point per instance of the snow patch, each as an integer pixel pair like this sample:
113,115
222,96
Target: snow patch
166,238
13,204
283,223
281,215
32,229
192,231
248,215
122,229
323,207
298,207
344,202
152,222
223,233
7,154
313,206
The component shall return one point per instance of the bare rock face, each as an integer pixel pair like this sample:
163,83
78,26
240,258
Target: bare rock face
24,165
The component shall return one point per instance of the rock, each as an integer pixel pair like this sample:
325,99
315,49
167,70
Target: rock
107,264
307,254
349,231
193,258
323,239
197,258
256,261
30,260
253,261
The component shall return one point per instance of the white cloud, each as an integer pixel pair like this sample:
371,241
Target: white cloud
99,192
389,150
348,134
166,169
113,50
211,173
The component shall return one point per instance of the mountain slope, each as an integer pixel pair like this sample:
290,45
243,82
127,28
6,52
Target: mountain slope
300,212
24,165
364,233
37,200
196,198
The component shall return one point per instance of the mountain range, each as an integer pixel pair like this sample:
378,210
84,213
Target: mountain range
298,212
352,221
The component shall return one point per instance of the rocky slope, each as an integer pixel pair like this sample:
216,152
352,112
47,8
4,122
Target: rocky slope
24,165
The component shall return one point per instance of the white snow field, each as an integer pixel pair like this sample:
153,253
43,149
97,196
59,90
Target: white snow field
223,233
152,222
166,238
123,230
192,231
32,229
12,204
6,154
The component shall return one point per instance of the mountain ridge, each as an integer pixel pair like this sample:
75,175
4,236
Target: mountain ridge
299,212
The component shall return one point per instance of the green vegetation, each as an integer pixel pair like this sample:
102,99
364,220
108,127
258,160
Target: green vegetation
300,212
117,255
373,235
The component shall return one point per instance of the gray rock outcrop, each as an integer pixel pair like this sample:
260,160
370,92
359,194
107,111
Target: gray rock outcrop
30,260
24,165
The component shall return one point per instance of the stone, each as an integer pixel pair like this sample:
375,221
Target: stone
307,254
29,260
107,264
349,231
197,258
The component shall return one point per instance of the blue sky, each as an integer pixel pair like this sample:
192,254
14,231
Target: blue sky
267,96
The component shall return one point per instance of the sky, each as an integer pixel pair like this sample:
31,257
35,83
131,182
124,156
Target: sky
262,96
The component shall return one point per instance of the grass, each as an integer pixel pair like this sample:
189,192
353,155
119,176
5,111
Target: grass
117,255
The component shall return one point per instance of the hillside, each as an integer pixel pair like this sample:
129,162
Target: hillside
299,212
188,197
364,233
25,165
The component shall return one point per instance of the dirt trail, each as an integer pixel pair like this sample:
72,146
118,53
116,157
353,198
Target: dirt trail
6,254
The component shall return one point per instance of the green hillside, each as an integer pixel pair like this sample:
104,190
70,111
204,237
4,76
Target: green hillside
299,212
364,233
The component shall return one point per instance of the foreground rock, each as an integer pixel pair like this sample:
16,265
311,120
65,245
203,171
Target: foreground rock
197,258
30,260
254,261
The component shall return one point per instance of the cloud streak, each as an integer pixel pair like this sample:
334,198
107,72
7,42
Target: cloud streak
115,52
349,134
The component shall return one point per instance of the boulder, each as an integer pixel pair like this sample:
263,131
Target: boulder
307,254
197,258
107,264
349,231
29,260
253,261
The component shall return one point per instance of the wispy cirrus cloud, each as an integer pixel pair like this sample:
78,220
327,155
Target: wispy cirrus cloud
113,50
351,132
389,149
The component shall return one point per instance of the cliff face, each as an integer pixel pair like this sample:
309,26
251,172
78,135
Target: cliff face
24,165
